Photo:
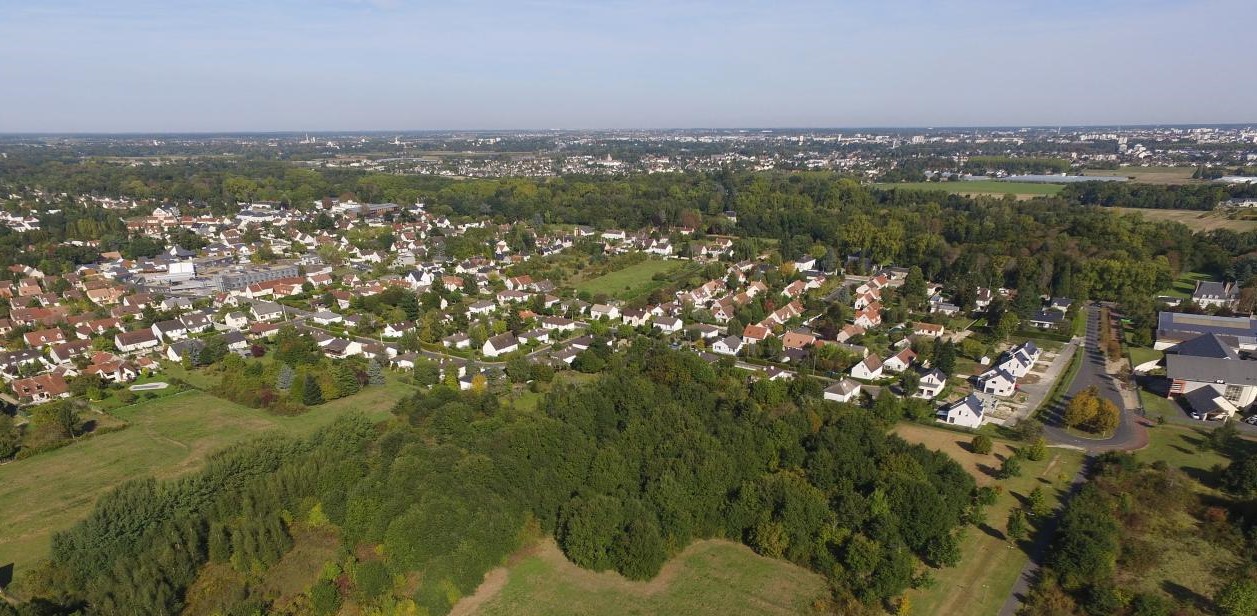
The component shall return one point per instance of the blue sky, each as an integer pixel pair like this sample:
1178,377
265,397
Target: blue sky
305,65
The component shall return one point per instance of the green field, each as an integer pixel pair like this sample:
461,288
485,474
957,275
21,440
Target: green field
982,187
989,563
1196,220
633,281
167,437
719,578
1150,175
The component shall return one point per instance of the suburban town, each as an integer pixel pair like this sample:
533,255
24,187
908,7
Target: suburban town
485,308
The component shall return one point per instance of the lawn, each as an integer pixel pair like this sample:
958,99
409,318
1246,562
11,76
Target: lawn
168,437
1142,355
1185,284
981,187
1196,220
989,563
633,281
719,578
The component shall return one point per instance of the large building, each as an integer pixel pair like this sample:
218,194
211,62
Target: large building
1176,327
241,276
1212,374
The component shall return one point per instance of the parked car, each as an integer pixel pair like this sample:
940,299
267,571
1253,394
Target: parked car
1251,420
1196,415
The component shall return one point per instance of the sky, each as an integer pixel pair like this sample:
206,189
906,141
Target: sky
341,65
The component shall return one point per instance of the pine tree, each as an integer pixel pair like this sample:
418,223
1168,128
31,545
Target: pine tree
375,375
311,394
284,379
346,380
1018,527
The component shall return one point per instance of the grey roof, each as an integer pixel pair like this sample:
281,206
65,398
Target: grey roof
1179,324
1206,289
1208,345
1047,316
843,387
1205,400
502,341
1211,370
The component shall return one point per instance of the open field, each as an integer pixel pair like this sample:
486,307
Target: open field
719,578
981,187
1150,175
632,281
1185,284
168,436
1196,220
989,563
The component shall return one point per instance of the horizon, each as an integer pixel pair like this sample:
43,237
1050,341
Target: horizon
200,67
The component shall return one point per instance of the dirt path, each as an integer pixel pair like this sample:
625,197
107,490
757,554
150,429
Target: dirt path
494,582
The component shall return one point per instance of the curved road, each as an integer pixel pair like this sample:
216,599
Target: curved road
1131,434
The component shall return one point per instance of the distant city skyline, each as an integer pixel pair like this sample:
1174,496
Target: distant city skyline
148,66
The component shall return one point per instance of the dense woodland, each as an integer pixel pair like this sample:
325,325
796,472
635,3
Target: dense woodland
624,472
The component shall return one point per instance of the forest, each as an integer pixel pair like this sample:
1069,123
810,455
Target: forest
624,472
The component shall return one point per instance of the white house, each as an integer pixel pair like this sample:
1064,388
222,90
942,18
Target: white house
236,320
397,330
138,340
997,382
170,330
457,341
931,385
669,325
900,362
869,370
969,412
729,345
845,390
500,345
603,310
481,307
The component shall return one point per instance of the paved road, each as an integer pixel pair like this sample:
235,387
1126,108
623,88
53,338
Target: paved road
1131,434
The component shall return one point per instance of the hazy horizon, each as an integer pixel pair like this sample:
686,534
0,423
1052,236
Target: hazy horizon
287,66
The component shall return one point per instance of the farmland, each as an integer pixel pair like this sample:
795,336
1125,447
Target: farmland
719,578
982,187
1195,220
167,437
989,563
1150,175
632,281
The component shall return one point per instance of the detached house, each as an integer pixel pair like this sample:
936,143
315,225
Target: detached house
901,361
969,412
931,385
869,370
844,391
500,345
40,388
138,340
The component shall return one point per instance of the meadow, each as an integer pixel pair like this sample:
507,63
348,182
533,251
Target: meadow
717,578
633,281
1196,220
989,562
166,437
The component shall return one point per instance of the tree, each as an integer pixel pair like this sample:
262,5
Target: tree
887,407
311,393
1106,419
1037,450
1018,527
982,444
910,381
285,376
8,436
1010,468
324,598
1082,408
375,374
1037,502
1239,598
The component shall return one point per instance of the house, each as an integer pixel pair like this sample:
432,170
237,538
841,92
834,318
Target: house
928,330
196,322
184,349
341,348
844,391
604,311
500,345
397,330
729,345
997,382
481,307
41,388
111,368
1210,294
63,353
405,361
669,325
138,340
1215,362
901,361
1210,403
968,412
635,317
457,341
1060,304
868,317
539,336
236,320
326,317
558,324
1046,319
930,385
236,341
170,330
705,331
43,337
267,311
869,369
754,334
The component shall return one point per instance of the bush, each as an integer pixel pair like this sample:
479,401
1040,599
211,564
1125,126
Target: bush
126,396
982,444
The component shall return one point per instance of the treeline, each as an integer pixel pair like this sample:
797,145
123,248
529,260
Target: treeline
1173,197
981,165
624,472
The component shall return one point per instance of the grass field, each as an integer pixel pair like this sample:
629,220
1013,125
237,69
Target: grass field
719,578
1196,220
632,281
982,187
1143,355
989,563
1150,175
167,437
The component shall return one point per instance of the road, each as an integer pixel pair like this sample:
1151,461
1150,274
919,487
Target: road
1131,434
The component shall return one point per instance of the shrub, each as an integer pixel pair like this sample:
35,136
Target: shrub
982,444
